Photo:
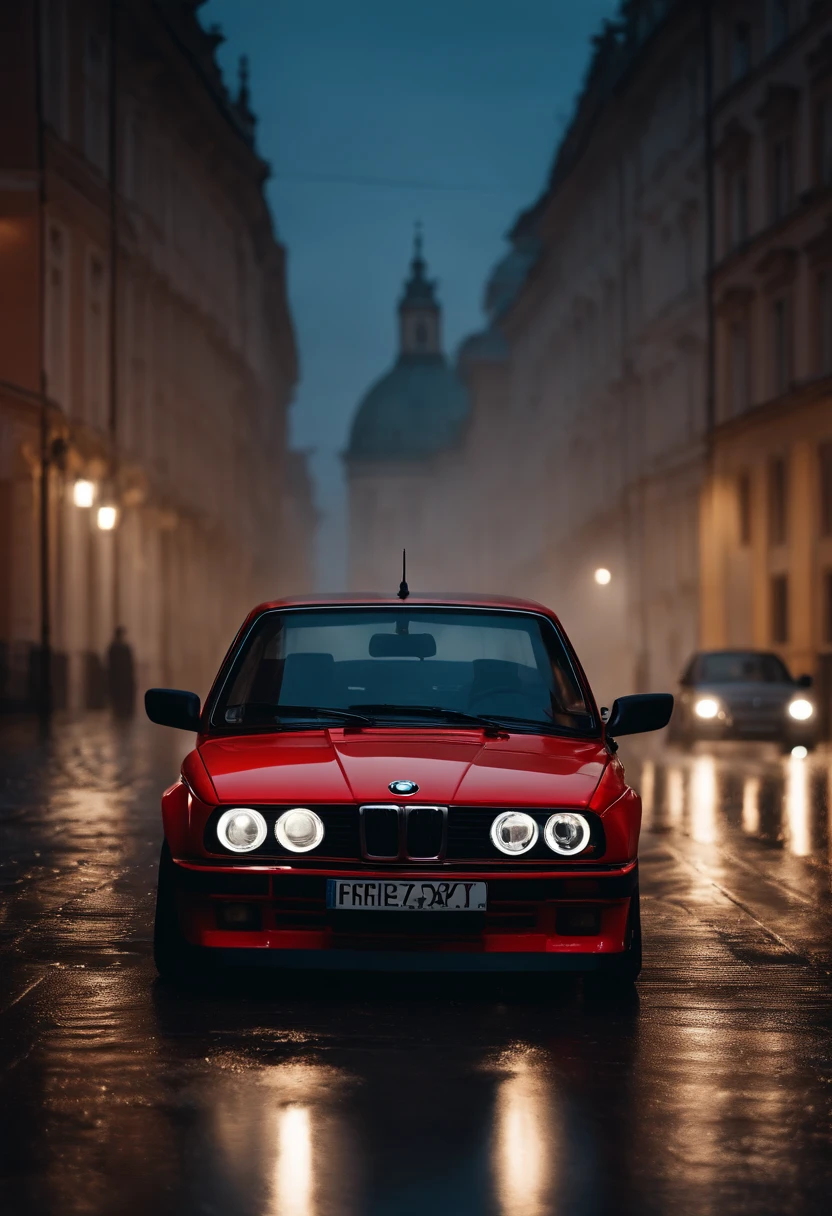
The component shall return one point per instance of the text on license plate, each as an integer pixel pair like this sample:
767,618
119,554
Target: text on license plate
417,895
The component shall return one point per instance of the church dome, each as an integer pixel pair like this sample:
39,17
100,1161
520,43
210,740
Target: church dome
415,410
420,406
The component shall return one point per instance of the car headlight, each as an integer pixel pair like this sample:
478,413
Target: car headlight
514,832
241,829
566,832
706,707
299,830
800,709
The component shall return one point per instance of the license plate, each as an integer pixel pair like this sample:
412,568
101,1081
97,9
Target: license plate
417,895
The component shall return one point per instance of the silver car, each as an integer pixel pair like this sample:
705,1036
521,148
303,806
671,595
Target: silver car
744,694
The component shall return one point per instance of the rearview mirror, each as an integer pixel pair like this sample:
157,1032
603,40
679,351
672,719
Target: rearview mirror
639,713
172,707
402,646
804,681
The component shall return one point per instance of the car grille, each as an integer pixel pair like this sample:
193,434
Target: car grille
392,835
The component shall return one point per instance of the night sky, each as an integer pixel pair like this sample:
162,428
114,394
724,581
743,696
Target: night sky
378,113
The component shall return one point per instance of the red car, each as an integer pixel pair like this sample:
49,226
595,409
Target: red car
421,784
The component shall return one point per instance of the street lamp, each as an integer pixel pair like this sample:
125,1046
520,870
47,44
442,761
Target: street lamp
602,576
107,518
83,492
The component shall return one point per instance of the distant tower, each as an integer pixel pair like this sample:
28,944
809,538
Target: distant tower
403,424
419,313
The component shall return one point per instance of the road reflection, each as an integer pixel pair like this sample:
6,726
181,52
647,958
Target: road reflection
780,801
293,1194
525,1145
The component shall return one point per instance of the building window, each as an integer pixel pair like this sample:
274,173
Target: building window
54,66
739,208
57,345
779,21
825,486
778,490
96,117
825,323
95,342
781,346
740,395
741,50
744,508
781,178
827,607
780,608
823,139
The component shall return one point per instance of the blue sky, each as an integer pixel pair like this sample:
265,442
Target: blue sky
452,109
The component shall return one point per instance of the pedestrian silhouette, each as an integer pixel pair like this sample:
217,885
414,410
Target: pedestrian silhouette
121,675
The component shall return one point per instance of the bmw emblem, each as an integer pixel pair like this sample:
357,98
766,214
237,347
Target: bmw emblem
402,787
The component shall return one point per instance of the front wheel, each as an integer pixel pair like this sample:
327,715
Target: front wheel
629,966
173,954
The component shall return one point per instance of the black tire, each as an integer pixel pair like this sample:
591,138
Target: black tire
173,954
629,967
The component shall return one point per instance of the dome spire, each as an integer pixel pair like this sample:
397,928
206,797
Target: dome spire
419,312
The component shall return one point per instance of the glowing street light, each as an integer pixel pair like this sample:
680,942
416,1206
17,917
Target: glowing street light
83,492
107,517
602,576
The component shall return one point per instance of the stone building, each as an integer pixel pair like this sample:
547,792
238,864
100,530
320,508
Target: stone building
404,427
652,393
591,402
767,519
147,355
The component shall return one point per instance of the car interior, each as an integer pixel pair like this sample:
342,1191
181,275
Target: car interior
482,686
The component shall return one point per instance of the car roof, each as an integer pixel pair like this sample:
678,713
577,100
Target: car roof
374,599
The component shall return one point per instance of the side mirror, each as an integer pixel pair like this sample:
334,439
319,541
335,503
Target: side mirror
172,707
642,712
804,681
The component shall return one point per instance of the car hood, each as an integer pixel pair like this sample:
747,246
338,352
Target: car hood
331,766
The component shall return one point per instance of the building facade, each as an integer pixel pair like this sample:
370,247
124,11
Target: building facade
767,518
651,397
147,356
589,410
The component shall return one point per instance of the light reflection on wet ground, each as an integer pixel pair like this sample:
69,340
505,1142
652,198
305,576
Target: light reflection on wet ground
708,1091
780,801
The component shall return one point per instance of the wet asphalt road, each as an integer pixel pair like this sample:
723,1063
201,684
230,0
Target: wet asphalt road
710,1091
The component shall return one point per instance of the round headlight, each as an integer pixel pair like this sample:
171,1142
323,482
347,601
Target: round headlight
241,829
299,830
566,832
514,832
801,709
706,707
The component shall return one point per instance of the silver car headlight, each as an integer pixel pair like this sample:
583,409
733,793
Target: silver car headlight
566,832
299,830
800,709
241,829
514,832
706,707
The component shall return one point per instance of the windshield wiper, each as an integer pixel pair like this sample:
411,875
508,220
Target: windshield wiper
434,711
309,711
543,728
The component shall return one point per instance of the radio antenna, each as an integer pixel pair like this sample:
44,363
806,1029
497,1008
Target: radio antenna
404,590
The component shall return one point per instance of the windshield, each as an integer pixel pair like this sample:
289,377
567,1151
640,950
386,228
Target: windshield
737,667
392,664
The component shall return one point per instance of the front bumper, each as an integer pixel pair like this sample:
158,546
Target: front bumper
529,924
